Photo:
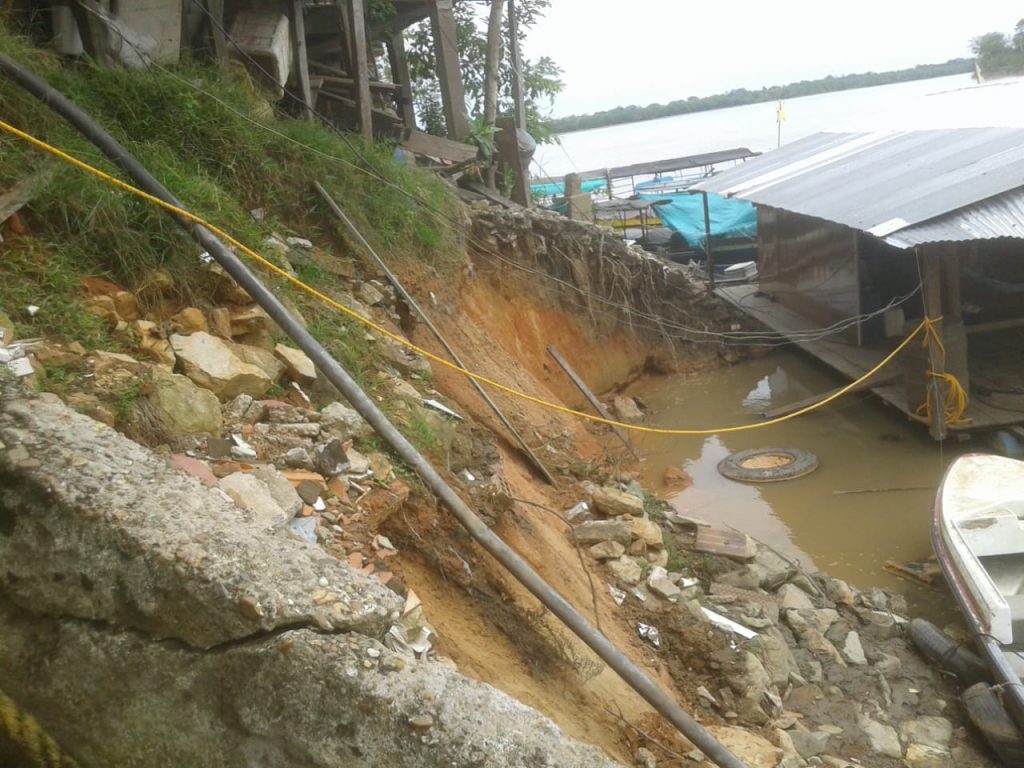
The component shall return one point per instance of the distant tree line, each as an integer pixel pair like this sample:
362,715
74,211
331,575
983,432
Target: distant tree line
1000,55
740,96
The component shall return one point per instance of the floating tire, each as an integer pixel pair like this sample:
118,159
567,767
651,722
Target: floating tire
989,716
767,465
947,655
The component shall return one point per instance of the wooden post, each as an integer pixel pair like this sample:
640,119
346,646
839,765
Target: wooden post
361,68
709,250
932,287
400,74
511,161
94,34
516,62
453,96
571,188
215,9
954,332
345,28
601,410
298,30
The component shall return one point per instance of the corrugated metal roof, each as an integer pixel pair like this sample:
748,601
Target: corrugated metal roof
907,188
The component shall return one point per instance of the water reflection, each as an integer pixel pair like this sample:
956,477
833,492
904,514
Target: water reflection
861,445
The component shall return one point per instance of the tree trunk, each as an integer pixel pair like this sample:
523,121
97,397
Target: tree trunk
491,73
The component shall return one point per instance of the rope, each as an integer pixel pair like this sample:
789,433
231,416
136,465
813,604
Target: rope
956,399
24,731
925,325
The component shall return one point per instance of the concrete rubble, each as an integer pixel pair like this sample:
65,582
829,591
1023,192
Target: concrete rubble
226,642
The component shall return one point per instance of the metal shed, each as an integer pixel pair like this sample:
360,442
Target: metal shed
870,232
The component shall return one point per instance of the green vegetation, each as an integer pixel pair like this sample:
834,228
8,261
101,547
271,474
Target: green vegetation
541,77
221,157
741,96
1000,55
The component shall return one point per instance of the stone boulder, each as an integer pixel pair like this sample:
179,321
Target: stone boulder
341,421
212,364
182,408
612,502
595,531
300,368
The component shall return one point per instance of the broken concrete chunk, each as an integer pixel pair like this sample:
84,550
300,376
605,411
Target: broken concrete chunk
252,495
660,584
341,421
300,368
211,364
182,408
612,502
626,570
725,542
261,358
594,531
280,489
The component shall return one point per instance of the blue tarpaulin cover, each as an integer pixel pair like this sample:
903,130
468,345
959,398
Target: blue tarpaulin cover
685,214
557,188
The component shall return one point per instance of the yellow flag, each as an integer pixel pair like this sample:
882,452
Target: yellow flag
780,113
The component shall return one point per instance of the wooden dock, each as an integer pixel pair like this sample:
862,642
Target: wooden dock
990,411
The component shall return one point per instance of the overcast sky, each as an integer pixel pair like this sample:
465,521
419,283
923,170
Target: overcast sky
620,52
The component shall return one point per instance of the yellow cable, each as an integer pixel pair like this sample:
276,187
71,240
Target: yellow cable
24,731
956,399
926,324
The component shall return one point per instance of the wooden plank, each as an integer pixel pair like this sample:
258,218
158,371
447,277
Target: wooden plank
22,193
932,290
510,160
490,195
361,68
421,143
449,74
785,410
215,9
348,82
400,74
601,410
720,541
298,32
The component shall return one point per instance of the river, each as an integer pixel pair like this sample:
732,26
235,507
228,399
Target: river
943,102
892,464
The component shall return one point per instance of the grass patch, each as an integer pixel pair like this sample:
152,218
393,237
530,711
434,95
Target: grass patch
222,158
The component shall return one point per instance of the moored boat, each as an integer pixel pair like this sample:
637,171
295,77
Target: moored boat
978,538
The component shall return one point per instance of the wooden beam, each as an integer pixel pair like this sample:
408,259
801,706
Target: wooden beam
93,30
421,143
932,287
512,161
345,24
449,74
400,74
298,32
785,410
601,410
519,104
348,82
361,68
215,17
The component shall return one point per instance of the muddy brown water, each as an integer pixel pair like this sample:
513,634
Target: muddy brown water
861,444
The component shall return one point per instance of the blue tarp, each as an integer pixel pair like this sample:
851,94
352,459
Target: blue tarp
685,215
557,188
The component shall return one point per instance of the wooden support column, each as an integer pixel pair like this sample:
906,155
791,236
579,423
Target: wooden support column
453,96
361,68
511,161
932,289
517,81
298,32
93,31
400,74
215,8
953,330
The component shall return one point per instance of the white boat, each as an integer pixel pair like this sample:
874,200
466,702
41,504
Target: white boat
978,538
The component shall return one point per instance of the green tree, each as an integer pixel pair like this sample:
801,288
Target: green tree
541,77
1018,36
989,45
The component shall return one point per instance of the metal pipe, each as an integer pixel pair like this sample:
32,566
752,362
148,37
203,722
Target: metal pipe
340,378
433,329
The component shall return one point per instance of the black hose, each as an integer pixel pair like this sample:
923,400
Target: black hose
337,375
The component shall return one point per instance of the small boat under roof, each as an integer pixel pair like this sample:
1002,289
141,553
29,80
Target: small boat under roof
978,537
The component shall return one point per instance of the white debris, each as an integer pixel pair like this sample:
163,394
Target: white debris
437,406
32,310
728,624
242,449
650,634
617,594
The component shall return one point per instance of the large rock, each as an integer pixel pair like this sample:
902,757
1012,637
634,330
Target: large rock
649,532
262,358
211,363
881,739
626,570
594,531
278,701
300,368
251,494
341,421
95,526
613,502
182,408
